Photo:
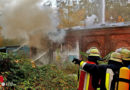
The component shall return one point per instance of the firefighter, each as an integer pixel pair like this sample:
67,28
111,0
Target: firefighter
124,79
99,71
90,66
92,69
125,57
93,55
114,63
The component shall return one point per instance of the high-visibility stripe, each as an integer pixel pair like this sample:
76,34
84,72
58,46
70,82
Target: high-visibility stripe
109,78
88,82
85,82
82,63
107,81
81,81
88,78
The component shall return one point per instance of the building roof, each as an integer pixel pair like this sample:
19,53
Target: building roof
100,26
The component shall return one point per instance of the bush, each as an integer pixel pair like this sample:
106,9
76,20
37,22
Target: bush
47,77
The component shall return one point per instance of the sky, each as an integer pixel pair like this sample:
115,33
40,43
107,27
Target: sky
53,3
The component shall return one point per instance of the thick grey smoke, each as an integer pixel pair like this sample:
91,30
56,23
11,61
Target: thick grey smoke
54,36
3,3
30,21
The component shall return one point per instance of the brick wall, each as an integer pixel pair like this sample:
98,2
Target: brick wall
105,39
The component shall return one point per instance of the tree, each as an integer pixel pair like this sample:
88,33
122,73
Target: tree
71,13
117,11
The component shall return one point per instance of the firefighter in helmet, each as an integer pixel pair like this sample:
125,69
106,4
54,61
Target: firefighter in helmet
93,55
114,63
90,65
99,71
125,56
124,80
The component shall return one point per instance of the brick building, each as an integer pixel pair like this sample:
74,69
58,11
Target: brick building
105,39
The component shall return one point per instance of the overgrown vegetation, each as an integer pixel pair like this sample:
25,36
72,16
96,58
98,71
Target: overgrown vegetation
25,76
19,70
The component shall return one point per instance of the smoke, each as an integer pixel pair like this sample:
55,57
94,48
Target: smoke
60,33
30,21
90,20
91,1
118,50
3,3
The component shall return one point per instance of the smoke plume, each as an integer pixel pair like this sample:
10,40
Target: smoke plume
30,21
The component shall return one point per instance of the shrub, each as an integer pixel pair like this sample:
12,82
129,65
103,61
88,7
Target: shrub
20,71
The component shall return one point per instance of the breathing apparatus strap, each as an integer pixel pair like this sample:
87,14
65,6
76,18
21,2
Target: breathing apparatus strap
124,80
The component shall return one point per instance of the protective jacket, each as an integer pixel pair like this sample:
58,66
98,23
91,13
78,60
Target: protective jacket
92,69
98,74
115,66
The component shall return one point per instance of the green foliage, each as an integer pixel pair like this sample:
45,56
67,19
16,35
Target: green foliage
3,56
48,77
10,69
21,73
83,54
107,57
69,68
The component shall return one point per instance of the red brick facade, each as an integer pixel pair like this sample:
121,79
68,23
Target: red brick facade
105,39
